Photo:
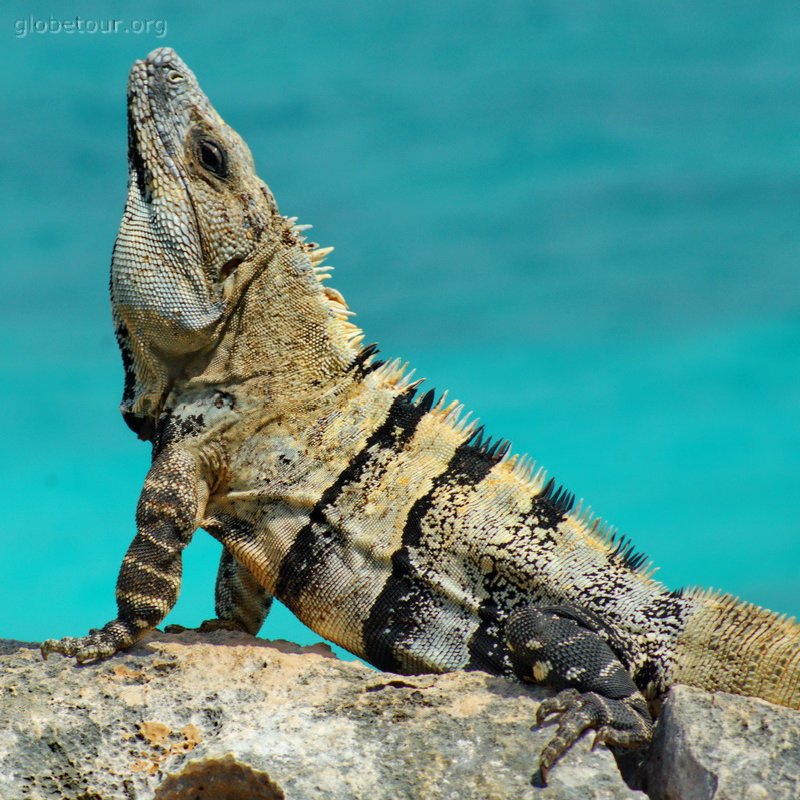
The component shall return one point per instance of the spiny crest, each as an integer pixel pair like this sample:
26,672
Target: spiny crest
494,451
542,487
625,554
365,361
558,496
526,469
462,423
351,335
394,373
621,548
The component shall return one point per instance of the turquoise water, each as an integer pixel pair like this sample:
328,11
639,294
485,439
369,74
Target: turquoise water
582,218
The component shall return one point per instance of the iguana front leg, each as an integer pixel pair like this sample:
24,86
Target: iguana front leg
562,647
172,500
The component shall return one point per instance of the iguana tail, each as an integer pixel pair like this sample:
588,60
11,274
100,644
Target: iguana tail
731,646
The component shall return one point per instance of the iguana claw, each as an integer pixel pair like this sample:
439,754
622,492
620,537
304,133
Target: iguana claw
619,722
99,644
94,647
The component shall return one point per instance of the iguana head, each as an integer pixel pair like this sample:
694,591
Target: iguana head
195,209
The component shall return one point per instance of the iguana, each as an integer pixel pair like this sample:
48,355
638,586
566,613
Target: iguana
379,515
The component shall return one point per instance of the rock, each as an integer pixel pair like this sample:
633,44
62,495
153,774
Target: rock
226,716
724,747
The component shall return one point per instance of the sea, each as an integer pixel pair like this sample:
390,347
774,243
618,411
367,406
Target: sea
581,218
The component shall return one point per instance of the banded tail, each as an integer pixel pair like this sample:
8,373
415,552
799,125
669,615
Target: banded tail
737,647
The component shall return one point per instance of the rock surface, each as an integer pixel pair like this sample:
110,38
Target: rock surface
224,716
724,747
229,717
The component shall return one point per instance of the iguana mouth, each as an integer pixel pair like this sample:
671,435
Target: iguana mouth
150,101
165,103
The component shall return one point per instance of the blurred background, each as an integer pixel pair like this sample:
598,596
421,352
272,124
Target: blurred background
581,218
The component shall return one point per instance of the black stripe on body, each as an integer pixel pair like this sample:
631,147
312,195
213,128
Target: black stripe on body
318,548
487,645
667,614
398,634
532,543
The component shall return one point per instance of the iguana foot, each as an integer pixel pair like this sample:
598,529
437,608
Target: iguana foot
570,650
99,644
208,625
622,722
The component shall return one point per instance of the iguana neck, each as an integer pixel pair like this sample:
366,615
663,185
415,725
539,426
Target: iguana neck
282,332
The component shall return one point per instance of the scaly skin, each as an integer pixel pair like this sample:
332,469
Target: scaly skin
379,517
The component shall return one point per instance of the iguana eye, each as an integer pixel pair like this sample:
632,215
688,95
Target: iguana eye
212,157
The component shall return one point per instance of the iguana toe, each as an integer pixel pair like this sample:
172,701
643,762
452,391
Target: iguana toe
95,647
619,722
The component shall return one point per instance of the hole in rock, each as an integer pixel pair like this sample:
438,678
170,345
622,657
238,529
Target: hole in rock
219,779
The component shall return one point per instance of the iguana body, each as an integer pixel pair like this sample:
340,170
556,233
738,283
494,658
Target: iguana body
376,514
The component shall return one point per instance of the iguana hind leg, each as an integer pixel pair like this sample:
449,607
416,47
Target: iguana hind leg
238,597
240,602
150,575
562,648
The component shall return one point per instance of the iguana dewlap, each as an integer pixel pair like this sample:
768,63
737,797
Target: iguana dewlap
379,515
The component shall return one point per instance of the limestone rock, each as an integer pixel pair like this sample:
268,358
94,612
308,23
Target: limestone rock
225,716
724,747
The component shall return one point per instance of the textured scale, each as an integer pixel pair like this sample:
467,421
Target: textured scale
380,515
